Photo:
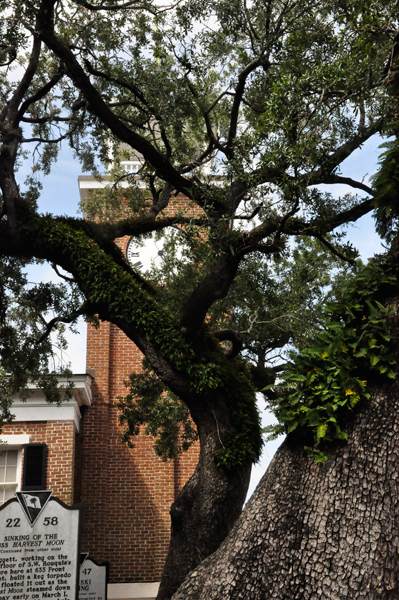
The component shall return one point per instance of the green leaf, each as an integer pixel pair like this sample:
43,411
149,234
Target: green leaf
361,353
321,430
374,360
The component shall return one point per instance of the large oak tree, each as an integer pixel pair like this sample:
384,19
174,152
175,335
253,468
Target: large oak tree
244,109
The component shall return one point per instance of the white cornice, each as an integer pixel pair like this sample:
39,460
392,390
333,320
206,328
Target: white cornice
88,182
36,408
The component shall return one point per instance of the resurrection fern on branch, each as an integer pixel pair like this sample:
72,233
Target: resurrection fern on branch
326,380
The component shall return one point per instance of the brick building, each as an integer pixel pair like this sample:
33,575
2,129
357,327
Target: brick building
76,451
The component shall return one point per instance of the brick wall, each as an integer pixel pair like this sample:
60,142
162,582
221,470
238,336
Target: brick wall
60,439
127,491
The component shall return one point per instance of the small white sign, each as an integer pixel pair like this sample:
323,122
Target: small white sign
39,548
93,581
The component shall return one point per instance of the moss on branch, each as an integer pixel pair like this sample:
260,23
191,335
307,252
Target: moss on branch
113,291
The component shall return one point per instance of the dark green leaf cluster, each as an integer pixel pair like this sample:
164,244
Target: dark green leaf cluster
326,380
28,351
165,416
386,182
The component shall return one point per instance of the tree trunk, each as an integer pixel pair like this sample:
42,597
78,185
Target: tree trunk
317,530
203,514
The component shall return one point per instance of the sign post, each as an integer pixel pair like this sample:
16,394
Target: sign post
39,548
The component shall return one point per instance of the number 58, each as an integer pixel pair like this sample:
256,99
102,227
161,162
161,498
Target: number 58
50,521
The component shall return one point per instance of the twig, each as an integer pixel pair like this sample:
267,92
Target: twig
55,267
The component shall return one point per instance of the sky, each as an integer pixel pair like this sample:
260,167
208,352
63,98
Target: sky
60,196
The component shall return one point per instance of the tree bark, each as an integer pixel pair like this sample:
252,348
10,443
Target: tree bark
203,513
317,530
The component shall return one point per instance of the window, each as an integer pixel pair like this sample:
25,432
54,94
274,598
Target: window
9,472
10,464
35,467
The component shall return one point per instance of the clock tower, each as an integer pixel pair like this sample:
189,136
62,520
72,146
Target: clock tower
127,491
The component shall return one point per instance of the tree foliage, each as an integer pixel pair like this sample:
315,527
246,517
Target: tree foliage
166,418
324,383
28,350
249,111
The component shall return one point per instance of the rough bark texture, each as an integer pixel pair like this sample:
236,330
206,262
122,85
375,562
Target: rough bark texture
203,514
313,530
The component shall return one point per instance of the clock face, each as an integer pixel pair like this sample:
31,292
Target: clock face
150,253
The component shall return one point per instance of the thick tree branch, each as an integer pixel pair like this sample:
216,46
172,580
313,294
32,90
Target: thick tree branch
259,233
332,249
98,107
253,238
108,232
43,120
114,7
266,249
214,286
351,182
39,95
231,336
53,323
347,216
337,157
134,5
235,109
12,53
25,82
325,173
163,201
58,242
251,216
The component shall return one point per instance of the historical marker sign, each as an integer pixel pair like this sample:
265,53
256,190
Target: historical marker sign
39,548
93,579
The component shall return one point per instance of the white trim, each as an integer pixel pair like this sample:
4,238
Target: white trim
36,408
19,466
87,183
82,387
132,591
13,441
